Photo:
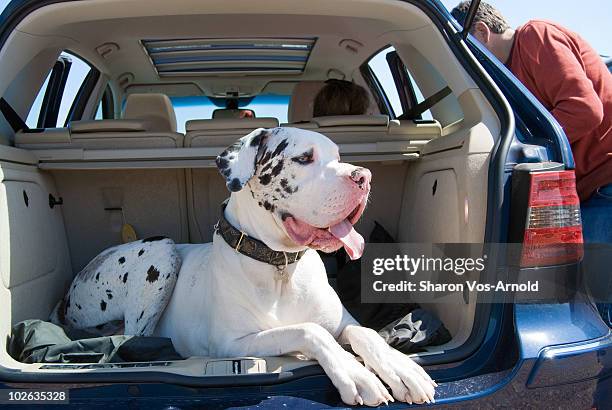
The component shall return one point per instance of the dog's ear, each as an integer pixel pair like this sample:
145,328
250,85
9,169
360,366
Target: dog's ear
237,162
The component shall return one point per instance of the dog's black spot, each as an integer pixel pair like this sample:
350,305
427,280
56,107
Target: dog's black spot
97,276
226,172
125,277
280,148
152,274
154,238
265,158
285,215
233,148
109,294
277,168
102,305
167,275
122,260
78,306
222,163
73,320
235,185
257,139
140,317
265,179
140,252
268,206
277,189
286,187
160,288
266,168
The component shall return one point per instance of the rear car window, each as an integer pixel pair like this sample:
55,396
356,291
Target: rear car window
78,70
382,71
201,108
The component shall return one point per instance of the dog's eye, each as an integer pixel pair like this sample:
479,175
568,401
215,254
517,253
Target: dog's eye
304,159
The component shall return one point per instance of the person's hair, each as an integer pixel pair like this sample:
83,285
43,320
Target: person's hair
339,97
486,13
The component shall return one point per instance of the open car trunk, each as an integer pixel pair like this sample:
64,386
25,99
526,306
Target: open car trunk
62,213
65,193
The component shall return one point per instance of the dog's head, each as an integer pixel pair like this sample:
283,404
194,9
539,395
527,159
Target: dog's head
297,176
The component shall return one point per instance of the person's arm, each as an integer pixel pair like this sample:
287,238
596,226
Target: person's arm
561,81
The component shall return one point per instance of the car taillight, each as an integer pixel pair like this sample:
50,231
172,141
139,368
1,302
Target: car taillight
553,227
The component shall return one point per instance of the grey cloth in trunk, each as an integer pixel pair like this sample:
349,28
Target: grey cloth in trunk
36,341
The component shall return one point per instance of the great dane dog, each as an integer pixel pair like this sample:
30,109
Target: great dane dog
260,288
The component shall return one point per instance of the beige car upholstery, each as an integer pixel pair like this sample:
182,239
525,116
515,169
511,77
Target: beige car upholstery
148,122
98,202
302,100
222,132
155,108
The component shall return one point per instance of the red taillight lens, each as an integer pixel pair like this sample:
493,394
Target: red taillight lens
553,230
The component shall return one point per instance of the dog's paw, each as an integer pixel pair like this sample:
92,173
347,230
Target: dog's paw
408,381
356,384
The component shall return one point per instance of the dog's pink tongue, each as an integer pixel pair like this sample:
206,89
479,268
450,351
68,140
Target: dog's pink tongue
351,239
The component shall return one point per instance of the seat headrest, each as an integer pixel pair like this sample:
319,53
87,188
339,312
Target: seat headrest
87,126
302,100
156,109
228,124
348,120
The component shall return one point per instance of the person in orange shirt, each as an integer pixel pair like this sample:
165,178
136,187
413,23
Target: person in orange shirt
571,80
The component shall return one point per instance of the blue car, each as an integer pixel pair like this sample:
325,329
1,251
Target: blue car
113,112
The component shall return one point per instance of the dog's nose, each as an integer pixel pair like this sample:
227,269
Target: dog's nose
361,176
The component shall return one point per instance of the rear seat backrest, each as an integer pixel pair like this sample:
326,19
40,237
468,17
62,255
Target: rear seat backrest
222,132
149,122
156,109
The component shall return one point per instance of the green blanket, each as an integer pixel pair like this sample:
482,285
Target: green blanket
36,341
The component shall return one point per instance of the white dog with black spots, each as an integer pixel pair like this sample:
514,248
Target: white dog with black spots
290,190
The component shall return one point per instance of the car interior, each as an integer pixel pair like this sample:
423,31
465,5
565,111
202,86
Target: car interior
134,141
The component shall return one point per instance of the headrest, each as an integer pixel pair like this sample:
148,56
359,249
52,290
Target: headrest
82,127
155,108
302,100
228,124
348,120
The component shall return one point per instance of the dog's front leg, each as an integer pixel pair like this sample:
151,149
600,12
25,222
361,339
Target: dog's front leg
408,381
356,384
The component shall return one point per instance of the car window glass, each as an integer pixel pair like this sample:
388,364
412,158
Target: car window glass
78,71
99,115
426,115
379,66
201,108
